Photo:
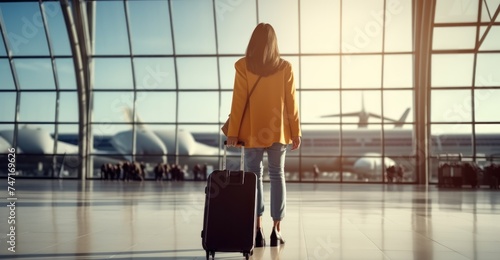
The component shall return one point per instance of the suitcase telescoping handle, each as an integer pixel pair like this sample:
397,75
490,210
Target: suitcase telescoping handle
242,161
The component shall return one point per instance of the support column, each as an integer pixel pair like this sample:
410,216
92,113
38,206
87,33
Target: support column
76,27
423,24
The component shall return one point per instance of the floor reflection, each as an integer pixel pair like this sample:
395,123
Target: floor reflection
70,219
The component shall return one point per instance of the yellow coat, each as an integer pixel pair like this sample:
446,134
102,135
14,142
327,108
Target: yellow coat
272,114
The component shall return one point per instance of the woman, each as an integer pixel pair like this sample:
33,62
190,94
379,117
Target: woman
270,122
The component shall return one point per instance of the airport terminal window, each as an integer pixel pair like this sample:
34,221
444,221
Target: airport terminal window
3,52
110,36
464,59
487,69
198,107
320,106
451,106
394,76
7,132
398,25
68,133
368,168
487,140
112,73
285,24
320,72
101,138
68,112
113,107
454,38
227,71
398,142
156,107
150,27
399,146
36,65
197,73
58,34
37,107
370,66
35,166
6,81
234,19
154,73
491,42
35,74
452,138
8,101
450,11
66,73
486,105
25,28
291,172
172,63
398,105
320,140
370,99
35,134
193,36
362,29
320,16
207,134
104,134
450,70
355,144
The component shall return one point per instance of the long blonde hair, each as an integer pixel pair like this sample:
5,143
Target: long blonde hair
263,56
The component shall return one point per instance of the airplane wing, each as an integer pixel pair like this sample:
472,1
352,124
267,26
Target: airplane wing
382,117
343,114
376,116
397,123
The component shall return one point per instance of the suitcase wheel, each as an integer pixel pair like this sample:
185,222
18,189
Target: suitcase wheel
210,253
247,254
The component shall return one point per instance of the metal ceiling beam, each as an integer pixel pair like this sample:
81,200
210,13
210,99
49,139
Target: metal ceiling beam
490,24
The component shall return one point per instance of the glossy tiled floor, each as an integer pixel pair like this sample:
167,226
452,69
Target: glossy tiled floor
67,219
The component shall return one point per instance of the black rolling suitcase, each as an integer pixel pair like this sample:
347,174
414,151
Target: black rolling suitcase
229,220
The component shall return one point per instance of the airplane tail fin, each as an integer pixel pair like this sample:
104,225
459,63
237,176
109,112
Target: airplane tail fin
129,116
401,121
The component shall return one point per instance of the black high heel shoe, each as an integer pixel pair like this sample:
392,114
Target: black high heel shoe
259,238
276,238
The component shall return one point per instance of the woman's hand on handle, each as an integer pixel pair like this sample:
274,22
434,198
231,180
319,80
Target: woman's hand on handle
232,141
296,142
